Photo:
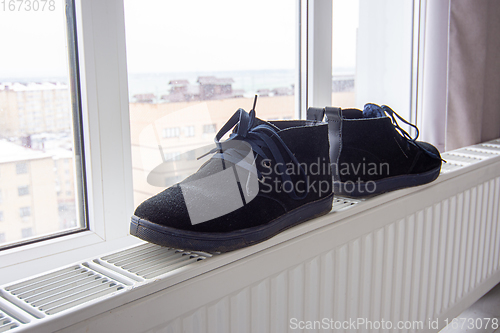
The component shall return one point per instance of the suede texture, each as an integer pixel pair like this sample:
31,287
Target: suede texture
373,149
307,140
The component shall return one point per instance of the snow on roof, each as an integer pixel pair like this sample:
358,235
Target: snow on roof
58,153
10,152
179,82
32,86
214,80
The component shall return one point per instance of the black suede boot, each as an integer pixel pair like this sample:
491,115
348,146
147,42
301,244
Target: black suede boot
267,177
371,154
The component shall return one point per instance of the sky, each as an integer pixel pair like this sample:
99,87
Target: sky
216,35
33,43
177,36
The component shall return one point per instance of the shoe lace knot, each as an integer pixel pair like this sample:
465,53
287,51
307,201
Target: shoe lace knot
261,138
413,141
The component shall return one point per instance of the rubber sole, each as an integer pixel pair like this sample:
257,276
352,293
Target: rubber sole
364,189
226,241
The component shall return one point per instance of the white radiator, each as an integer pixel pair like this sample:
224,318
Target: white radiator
399,262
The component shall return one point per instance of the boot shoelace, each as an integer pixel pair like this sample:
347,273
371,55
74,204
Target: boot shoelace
405,134
258,137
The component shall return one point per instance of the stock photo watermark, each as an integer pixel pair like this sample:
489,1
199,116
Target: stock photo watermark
27,5
382,324
319,167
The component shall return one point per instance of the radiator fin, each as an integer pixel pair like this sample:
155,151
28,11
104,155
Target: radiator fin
63,289
342,203
459,158
7,323
149,261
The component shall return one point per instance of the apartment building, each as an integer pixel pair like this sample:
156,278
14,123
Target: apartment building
32,108
28,197
162,132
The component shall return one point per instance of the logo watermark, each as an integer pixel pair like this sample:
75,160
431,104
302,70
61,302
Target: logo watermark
361,170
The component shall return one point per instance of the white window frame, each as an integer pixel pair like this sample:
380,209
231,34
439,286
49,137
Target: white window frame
314,55
104,95
319,55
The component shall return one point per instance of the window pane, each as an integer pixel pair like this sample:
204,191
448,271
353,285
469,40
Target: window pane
345,16
192,64
37,146
21,168
23,190
372,53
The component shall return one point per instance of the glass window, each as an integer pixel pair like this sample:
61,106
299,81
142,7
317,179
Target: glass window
171,132
345,18
24,211
21,168
23,190
26,232
209,128
36,75
192,64
189,131
372,53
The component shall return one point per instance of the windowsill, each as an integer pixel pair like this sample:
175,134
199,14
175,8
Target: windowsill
23,261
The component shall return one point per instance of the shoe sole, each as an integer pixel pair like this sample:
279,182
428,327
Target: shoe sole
364,189
226,241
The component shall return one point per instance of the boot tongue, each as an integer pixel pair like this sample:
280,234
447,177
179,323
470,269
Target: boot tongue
373,111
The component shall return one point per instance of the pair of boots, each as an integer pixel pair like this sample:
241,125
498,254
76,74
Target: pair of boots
269,176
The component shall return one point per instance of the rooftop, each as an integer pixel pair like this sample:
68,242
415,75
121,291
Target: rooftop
179,82
214,80
31,86
11,152
58,153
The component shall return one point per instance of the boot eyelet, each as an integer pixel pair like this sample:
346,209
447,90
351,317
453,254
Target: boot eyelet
266,163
